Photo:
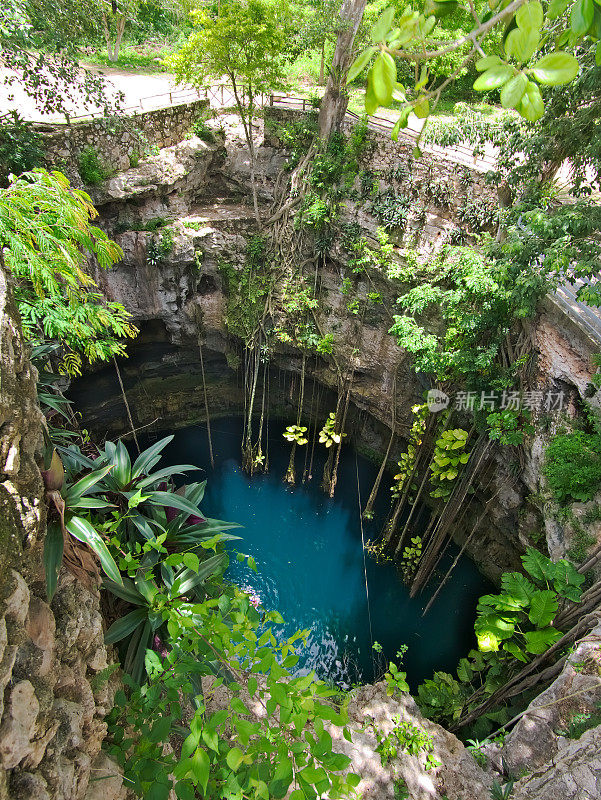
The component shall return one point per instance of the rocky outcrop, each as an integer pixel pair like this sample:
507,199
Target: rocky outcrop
458,776
536,739
574,773
54,694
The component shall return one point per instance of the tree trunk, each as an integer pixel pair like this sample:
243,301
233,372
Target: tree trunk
335,99
322,64
113,52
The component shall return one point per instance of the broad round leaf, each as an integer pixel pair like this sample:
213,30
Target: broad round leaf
555,69
531,106
522,44
487,62
493,78
530,16
581,17
513,91
360,63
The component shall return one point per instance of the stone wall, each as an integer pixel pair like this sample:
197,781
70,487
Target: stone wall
53,696
118,141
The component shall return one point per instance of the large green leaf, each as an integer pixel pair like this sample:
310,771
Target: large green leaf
122,465
194,492
501,625
513,91
556,8
167,472
82,530
173,500
134,662
383,25
555,69
383,78
144,526
141,464
126,590
522,44
530,15
539,641
539,566
494,77
568,580
90,502
78,490
125,626
515,651
518,587
360,63
581,17
531,106
543,608
188,580
53,556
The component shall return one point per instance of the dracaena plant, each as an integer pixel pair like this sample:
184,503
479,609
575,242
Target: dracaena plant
182,575
144,499
72,503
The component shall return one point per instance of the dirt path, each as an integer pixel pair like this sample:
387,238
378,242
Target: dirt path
135,86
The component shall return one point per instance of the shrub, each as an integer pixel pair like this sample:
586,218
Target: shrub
91,168
203,131
573,465
20,146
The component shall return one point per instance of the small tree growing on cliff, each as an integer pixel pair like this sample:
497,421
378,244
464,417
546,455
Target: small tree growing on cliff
249,43
45,233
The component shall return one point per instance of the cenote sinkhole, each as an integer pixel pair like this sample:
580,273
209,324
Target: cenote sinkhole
308,550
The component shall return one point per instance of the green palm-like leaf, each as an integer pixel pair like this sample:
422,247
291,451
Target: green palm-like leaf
83,486
83,531
53,556
543,608
125,626
145,459
518,587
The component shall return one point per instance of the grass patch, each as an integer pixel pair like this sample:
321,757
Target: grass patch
580,723
141,58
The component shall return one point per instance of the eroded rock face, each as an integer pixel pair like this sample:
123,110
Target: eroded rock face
534,741
458,777
574,773
53,698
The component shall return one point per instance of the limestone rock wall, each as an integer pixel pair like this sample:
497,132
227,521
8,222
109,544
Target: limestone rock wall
203,193
53,692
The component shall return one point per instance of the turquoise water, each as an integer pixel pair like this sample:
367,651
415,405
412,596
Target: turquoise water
311,566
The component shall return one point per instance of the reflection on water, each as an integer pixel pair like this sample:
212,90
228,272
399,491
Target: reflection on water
311,566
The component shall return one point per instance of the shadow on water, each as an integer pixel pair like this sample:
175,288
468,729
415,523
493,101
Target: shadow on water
310,561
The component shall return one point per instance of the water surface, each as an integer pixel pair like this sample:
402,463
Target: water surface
311,566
